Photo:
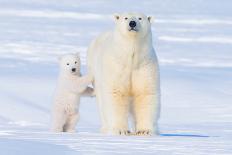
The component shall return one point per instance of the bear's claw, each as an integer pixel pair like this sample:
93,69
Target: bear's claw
144,133
126,132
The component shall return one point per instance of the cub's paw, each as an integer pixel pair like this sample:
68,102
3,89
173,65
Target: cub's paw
144,133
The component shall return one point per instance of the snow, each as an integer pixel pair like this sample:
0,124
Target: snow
218,40
193,40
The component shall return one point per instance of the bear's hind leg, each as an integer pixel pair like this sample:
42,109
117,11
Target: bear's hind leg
58,121
102,107
71,123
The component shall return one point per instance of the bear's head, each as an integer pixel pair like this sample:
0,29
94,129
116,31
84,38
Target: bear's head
70,64
133,24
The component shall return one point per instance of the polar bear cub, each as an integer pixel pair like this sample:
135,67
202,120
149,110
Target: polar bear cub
71,86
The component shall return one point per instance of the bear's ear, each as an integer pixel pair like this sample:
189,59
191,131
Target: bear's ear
116,16
150,19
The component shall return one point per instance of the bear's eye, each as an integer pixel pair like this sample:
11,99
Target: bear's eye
126,18
67,63
140,18
75,62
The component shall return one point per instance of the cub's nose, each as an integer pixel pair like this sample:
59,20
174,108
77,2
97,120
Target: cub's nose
132,24
73,69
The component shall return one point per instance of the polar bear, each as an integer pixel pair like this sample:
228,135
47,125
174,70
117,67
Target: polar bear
126,76
71,86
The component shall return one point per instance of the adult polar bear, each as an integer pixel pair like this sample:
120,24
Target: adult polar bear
126,74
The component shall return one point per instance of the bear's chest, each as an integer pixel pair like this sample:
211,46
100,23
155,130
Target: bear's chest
124,60
118,68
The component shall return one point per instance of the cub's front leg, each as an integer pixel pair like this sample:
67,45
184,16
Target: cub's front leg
88,92
80,84
84,81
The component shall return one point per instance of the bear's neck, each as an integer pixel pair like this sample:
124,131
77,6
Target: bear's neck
133,44
132,40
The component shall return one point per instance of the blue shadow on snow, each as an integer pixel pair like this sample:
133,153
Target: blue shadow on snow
181,135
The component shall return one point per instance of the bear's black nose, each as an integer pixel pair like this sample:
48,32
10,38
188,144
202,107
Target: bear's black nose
132,24
73,69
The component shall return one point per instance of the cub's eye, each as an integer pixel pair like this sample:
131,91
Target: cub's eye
67,63
126,18
75,62
140,18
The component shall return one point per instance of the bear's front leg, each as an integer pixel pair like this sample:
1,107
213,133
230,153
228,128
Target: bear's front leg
119,114
146,95
146,114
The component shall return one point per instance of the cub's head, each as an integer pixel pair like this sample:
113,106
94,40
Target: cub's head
70,64
133,24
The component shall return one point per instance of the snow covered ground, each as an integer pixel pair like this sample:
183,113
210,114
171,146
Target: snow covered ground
193,40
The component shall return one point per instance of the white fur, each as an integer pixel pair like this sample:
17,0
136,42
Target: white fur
126,75
71,85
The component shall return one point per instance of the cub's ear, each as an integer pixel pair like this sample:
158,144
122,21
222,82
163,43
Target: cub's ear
150,19
116,16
